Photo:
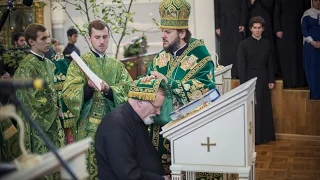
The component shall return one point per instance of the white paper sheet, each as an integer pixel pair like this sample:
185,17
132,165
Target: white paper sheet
92,76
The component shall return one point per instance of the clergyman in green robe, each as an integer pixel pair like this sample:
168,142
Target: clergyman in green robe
186,65
84,101
42,104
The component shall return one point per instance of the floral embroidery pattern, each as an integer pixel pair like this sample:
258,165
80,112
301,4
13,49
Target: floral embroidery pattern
162,60
188,62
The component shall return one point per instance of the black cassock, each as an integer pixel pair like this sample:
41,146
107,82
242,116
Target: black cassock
229,15
68,50
124,149
287,18
264,8
254,60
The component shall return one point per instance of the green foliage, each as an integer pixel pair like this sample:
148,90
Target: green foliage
117,16
156,22
13,57
136,46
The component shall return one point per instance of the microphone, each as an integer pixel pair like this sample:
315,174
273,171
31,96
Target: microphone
11,85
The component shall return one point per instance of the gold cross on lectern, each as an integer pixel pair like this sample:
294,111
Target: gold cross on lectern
208,144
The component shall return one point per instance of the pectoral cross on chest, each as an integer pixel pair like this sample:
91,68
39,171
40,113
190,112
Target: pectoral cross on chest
208,144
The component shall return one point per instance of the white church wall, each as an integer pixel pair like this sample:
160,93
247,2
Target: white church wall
201,24
47,17
145,10
203,17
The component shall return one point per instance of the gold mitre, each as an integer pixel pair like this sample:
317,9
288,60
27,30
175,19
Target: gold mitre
174,14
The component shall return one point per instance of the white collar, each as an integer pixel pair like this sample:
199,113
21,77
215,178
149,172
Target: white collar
100,55
175,53
257,38
37,54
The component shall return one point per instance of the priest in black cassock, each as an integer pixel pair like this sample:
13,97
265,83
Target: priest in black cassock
264,8
254,58
287,26
124,149
230,21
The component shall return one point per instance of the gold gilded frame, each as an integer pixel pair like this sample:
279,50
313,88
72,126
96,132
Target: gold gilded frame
37,17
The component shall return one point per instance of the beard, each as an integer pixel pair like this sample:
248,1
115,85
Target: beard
148,120
172,46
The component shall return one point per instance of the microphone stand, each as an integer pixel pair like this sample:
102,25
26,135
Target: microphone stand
6,13
47,141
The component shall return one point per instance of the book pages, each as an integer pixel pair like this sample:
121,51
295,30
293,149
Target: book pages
92,76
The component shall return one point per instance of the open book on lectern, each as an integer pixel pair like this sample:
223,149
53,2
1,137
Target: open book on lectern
201,104
209,97
92,76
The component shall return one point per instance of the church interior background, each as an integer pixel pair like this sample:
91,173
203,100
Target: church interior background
295,154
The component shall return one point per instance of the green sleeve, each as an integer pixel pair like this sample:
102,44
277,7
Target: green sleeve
121,87
73,93
10,144
194,87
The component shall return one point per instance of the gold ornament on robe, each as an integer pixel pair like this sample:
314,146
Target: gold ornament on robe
189,62
163,59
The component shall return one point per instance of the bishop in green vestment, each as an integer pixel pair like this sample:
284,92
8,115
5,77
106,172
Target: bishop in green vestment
85,102
186,65
42,104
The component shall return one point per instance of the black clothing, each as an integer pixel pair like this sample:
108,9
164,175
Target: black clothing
38,57
96,54
287,18
254,60
50,54
264,8
88,92
2,70
180,51
124,149
229,15
68,50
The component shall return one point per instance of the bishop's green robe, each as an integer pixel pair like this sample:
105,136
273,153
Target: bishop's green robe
88,115
60,73
42,105
190,74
